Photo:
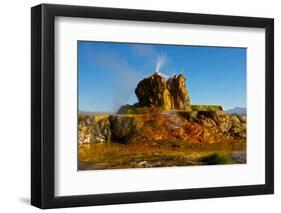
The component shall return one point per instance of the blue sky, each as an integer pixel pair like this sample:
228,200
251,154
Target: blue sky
109,72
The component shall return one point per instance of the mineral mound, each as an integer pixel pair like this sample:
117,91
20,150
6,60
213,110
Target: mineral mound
195,127
161,129
170,94
163,112
158,93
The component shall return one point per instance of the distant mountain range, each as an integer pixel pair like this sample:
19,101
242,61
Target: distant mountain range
237,110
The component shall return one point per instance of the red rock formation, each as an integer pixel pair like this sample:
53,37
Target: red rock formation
171,94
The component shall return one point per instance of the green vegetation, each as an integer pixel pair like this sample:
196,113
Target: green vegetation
216,158
136,109
206,108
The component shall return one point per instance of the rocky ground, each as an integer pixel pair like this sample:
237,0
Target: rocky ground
167,138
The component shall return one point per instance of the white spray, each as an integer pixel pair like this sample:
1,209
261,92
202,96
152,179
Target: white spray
159,62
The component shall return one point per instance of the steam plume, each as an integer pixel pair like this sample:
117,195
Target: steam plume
159,62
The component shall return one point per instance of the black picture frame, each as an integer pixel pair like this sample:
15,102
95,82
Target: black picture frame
43,111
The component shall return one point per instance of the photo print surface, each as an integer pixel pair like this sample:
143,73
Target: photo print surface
156,105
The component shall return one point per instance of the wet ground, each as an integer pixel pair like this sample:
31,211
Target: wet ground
113,155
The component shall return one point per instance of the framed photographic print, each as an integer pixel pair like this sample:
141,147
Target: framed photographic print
139,106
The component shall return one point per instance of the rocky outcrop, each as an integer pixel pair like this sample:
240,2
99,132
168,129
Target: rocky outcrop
105,128
157,92
232,125
193,126
163,113
180,99
123,127
94,129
